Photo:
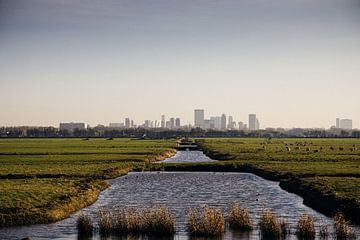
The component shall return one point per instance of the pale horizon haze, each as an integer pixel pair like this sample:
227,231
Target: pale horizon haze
295,63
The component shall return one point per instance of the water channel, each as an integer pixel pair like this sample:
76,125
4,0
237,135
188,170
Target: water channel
179,191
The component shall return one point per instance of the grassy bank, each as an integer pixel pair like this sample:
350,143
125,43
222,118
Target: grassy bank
45,180
326,172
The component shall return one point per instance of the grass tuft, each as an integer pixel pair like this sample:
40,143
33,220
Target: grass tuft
206,222
342,228
239,218
269,225
306,227
84,225
105,221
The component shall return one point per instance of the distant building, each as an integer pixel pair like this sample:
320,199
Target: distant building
72,126
199,118
177,123
172,123
127,122
217,122
223,121
231,123
252,122
116,125
162,121
241,126
345,124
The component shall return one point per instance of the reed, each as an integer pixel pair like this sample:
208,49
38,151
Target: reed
306,227
156,220
269,225
323,231
84,225
342,228
239,218
105,221
284,227
206,222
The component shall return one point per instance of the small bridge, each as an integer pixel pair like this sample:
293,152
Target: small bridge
187,145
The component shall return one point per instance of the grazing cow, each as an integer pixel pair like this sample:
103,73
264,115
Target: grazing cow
308,149
288,149
341,148
332,148
316,151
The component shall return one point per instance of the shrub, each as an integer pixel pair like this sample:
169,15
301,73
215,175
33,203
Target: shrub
269,226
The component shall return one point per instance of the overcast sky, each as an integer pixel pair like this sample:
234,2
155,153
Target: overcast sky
296,63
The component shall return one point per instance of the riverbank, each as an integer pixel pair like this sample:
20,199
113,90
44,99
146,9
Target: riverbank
325,172
43,181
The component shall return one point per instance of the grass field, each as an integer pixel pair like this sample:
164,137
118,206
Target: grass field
330,167
43,180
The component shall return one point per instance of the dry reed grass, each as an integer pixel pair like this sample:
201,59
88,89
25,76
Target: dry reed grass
206,222
342,228
105,221
84,225
306,227
239,218
270,226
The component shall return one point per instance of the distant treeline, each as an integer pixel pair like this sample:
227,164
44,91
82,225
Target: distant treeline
105,132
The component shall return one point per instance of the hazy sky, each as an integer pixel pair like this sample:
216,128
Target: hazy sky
296,63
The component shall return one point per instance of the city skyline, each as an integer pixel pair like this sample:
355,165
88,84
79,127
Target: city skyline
294,64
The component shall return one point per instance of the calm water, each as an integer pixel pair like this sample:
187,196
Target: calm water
180,191
188,156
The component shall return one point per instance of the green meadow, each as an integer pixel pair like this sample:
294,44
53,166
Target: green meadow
44,180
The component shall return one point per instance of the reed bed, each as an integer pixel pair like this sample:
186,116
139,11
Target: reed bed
156,220
342,228
239,218
84,225
306,227
105,221
323,231
206,222
269,225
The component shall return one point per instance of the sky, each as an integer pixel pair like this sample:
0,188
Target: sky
295,63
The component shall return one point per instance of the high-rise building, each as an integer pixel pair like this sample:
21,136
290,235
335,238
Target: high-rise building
72,126
252,122
257,126
199,118
162,121
177,123
127,122
241,126
223,121
346,124
231,123
172,123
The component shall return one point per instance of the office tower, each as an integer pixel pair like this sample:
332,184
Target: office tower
252,122
338,123
217,122
231,123
162,121
127,122
241,126
223,121
346,124
257,126
177,123
172,123
72,126
199,118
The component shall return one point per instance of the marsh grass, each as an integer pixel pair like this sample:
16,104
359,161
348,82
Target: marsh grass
206,222
269,225
239,218
306,227
156,220
323,231
84,225
284,227
342,228
105,221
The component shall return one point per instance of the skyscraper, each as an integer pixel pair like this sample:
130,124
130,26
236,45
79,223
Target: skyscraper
338,123
162,121
172,123
199,118
127,122
231,123
223,121
252,122
346,124
177,123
